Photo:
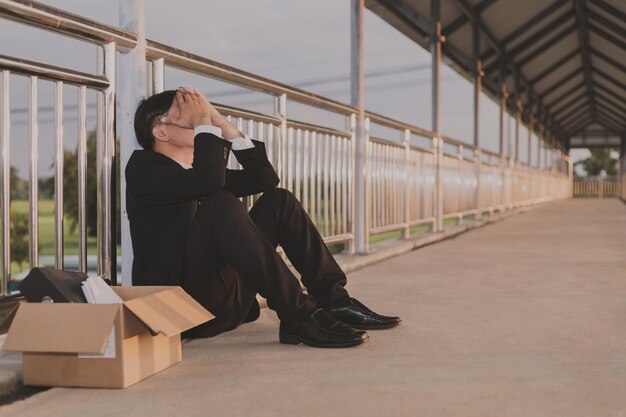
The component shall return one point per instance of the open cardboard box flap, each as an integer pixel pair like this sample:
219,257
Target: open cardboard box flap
61,327
164,310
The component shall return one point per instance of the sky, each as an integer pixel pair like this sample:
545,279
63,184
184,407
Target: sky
300,42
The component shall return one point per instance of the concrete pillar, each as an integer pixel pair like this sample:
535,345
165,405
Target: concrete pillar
503,98
132,86
435,50
478,74
361,232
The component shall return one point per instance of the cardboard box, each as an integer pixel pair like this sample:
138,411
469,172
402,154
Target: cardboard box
103,345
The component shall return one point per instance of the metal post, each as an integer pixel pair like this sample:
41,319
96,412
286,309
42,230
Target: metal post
539,144
478,74
622,178
105,160
82,178
357,98
280,111
132,88
531,127
435,51
503,97
5,182
58,174
33,160
516,163
406,139
158,76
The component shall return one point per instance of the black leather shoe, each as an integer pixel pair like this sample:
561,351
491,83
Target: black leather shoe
355,314
321,330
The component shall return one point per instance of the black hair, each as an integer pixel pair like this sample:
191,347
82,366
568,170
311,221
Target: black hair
147,112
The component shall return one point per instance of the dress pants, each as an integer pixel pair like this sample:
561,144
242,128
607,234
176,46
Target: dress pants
231,255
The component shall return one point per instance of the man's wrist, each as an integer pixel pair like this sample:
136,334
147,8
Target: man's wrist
204,120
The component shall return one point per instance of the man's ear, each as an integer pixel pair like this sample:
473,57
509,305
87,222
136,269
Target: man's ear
159,134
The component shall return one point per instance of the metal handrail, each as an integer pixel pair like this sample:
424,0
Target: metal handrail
187,61
52,19
53,73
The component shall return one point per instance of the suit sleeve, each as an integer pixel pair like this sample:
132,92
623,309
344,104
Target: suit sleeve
257,175
158,183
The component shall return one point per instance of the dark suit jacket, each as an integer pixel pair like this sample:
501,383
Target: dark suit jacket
162,197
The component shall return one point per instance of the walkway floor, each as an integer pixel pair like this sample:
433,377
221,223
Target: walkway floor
526,317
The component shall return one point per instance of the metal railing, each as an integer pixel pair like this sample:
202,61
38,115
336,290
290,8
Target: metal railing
316,163
602,187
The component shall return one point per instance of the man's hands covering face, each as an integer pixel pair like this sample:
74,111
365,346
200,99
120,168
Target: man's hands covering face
191,109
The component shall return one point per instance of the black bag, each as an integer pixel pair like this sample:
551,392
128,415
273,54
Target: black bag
49,284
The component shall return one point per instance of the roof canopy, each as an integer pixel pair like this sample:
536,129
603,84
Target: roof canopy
564,60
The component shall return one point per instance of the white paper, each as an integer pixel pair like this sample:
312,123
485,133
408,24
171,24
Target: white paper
97,291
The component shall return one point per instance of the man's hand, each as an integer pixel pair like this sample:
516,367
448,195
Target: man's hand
228,130
189,110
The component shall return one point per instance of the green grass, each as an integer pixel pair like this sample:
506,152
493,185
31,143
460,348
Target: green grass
46,233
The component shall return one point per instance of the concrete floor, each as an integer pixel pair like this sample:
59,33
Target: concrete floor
526,317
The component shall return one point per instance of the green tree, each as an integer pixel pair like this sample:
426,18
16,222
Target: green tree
19,237
600,160
70,187
19,187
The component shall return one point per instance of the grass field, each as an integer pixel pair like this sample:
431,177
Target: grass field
46,233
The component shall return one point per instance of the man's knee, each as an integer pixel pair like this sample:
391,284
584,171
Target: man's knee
280,195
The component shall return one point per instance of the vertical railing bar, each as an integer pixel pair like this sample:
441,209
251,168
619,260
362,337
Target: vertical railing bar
58,174
158,76
287,158
297,151
319,172
332,188
406,198
344,181
338,162
306,155
105,158
313,174
82,178
5,182
325,181
33,161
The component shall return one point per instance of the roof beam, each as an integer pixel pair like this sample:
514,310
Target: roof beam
575,118
610,78
583,40
533,21
609,9
606,121
616,108
542,48
572,111
566,94
560,83
609,124
463,19
540,34
608,36
578,112
561,109
610,111
608,91
609,100
574,100
579,126
608,60
606,22
554,67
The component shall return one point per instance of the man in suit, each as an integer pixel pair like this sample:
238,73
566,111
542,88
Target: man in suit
189,228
